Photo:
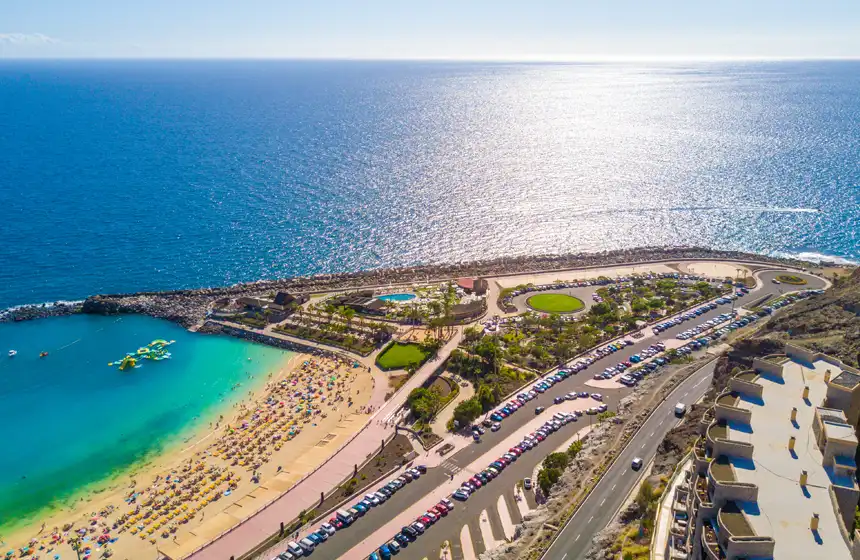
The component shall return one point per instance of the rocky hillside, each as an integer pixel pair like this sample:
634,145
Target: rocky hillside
828,323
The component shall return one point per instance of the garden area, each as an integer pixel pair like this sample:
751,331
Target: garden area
400,355
540,341
340,328
555,303
426,402
492,380
790,279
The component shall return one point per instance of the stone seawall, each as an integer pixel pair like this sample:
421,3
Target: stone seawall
214,328
189,307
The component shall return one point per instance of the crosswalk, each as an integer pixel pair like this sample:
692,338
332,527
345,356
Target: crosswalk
450,468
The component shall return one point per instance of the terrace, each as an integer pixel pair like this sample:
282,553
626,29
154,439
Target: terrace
749,376
734,521
722,471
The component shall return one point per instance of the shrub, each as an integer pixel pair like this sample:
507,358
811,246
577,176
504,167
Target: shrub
467,411
556,461
574,449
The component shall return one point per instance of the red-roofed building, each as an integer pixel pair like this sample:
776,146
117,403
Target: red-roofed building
473,285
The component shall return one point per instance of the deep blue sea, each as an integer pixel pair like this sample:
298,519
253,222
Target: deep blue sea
122,176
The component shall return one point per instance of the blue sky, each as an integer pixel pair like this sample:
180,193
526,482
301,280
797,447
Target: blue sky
462,29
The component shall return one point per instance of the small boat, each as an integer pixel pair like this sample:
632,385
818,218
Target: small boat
12,353
43,354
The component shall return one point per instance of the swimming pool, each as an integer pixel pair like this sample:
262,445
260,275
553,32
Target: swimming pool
397,297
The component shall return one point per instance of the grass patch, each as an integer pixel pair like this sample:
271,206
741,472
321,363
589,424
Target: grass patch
789,279
399,355
555,303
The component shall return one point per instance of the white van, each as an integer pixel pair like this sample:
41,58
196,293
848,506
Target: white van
680,409
307,544
295,549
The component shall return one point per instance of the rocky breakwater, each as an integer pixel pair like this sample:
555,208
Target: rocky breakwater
40,311
186,307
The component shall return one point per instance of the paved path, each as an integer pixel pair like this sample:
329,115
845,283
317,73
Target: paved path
305,495
440,423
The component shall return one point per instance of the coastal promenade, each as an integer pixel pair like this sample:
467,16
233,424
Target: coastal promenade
305,494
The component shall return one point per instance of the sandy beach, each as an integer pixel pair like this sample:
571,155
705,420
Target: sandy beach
210,481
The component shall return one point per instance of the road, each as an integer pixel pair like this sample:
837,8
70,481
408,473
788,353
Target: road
612,490
602,508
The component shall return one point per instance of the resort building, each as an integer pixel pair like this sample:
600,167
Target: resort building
477,286
774,468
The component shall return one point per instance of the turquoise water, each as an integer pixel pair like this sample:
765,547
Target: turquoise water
397,297
70,421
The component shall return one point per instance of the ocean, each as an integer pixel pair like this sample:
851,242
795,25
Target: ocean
71,422
121,176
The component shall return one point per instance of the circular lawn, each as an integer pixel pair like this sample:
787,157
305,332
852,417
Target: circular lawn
555,303
789,279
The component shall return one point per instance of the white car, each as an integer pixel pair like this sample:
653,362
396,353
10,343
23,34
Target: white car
328,528
372,499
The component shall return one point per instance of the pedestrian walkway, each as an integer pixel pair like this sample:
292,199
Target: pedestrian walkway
450,468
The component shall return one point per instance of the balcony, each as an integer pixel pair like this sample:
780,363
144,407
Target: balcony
722,471
738,535
732,520
702,490
710,544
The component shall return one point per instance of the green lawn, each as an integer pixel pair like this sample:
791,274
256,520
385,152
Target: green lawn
399,355
789,279
555,303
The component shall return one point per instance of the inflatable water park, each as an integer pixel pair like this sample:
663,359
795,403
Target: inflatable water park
155,350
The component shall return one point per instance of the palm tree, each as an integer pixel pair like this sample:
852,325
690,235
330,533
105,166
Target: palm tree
348,314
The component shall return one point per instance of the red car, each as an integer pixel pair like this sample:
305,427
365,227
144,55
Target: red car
338,524
476,481
439,509
425,520
516,451
504,461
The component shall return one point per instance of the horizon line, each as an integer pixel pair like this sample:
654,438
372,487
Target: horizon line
520,59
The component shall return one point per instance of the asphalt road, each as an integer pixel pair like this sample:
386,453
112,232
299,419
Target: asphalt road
605,500
612,490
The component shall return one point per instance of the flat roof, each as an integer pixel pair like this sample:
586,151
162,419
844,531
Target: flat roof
844,378
784,509
839,430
